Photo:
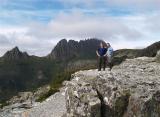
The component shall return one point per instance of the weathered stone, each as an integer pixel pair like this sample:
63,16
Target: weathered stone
131,89
81,100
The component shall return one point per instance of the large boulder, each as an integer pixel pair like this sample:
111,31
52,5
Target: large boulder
131,89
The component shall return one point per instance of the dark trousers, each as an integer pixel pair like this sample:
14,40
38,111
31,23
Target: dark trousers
109,62
101,63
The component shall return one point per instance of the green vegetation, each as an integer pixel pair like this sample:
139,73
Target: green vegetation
3,103
31,73
55,84
41,98
25,75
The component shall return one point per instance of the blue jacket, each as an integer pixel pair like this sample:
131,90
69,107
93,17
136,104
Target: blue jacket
102,51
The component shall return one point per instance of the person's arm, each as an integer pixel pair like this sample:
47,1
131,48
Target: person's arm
97,53
106,52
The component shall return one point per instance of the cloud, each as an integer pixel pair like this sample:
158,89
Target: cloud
121,31
37,28
4,41
135,3
131,5
82,3
79,25
17,36
153,22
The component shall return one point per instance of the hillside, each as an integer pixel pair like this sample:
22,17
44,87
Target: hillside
21,72
122,54
131,89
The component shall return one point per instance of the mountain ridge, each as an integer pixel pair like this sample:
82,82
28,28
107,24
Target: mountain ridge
72,48
22,72
66,50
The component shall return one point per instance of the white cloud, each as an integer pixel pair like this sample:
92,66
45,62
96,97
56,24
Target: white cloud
78,2
113,4
153,22
4,40
135,3
17,36
120,31
79,25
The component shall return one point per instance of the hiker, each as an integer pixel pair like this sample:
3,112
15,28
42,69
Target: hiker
101,52
109,55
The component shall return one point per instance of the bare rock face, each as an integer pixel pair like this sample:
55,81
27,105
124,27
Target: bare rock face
131,89
67,50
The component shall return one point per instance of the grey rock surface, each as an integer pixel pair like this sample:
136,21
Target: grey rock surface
54,106
131,89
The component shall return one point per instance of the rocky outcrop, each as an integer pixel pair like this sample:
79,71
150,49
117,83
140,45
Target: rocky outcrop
54,106
131,89
151,50
15,54
29,97
67,50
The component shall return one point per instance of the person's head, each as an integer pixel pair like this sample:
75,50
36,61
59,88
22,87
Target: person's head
108,45
101,45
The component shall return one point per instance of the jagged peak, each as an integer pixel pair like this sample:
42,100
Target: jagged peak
15,53
62,41
70,49
15,49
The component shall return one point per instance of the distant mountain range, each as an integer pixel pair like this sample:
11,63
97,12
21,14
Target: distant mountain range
22,72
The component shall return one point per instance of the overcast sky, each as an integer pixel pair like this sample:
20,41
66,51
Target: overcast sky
36,26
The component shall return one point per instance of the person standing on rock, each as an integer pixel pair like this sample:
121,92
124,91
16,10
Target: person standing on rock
101,52
109,55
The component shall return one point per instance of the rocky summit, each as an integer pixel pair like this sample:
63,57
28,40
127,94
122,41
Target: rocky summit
15,54
131,89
